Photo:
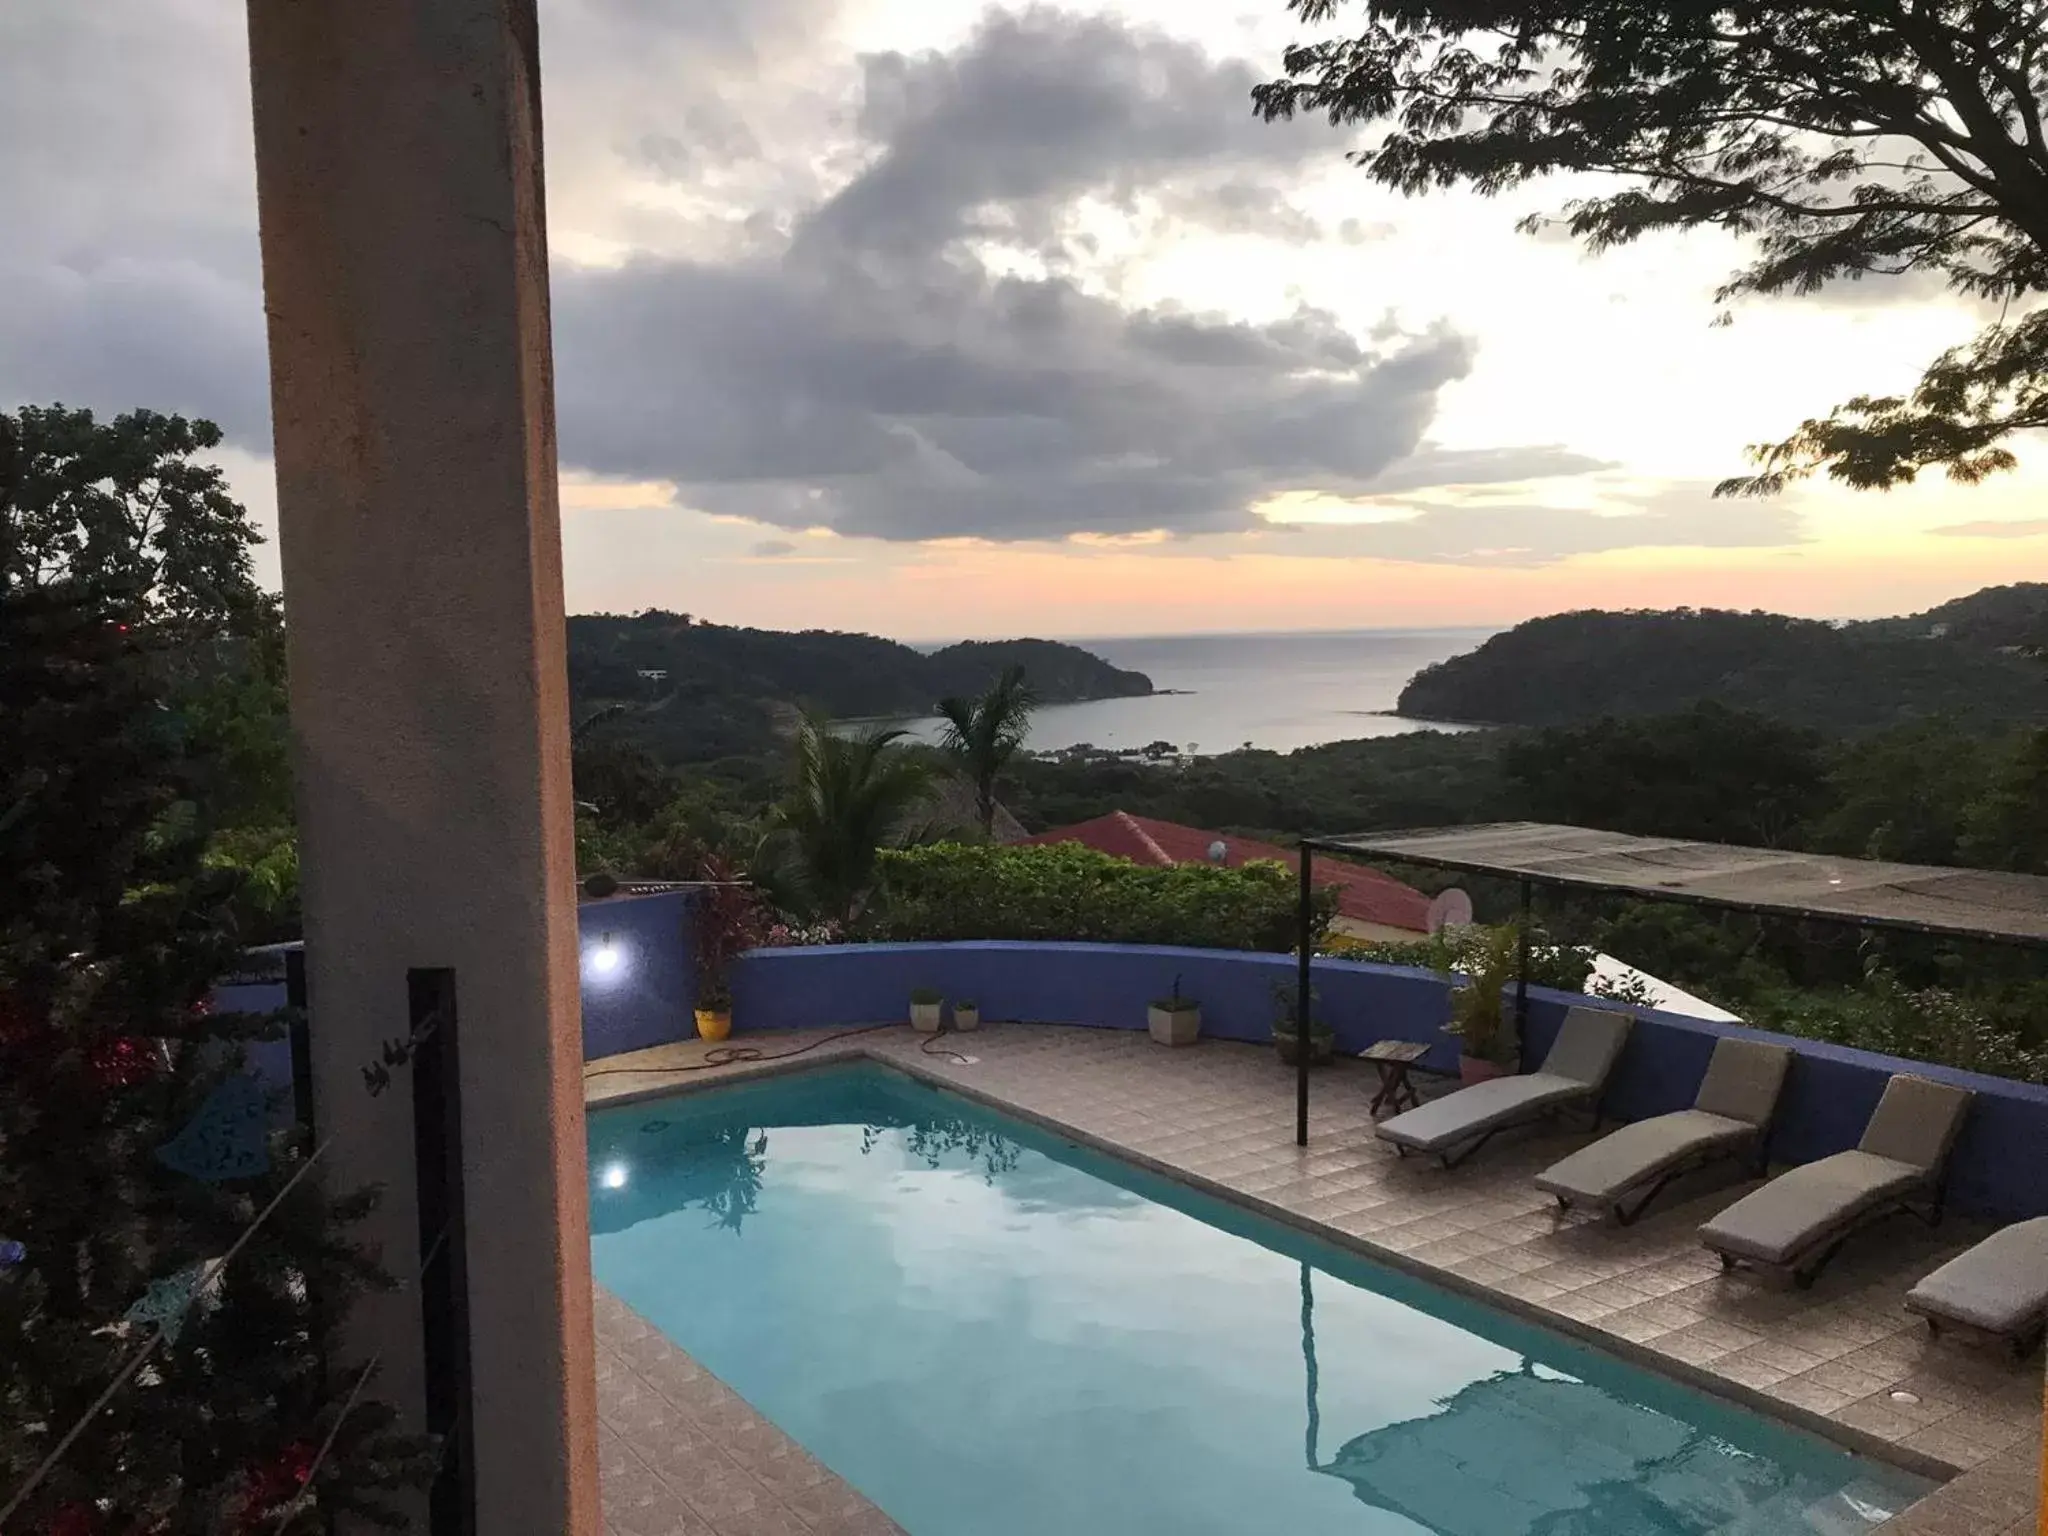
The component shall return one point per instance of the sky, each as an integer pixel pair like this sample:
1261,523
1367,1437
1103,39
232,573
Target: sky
941,321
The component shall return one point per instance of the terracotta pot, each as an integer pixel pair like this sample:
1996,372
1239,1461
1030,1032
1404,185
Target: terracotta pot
1477,1069
714,1023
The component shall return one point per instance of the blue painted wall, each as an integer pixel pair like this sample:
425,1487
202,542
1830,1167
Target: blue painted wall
2000,1168
258,987
645,994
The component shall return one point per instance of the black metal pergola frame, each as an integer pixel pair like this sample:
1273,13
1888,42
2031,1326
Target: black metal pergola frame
1402,847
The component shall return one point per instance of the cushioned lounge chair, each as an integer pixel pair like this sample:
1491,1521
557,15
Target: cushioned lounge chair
1798,1221
2000,1287
1730,1118
1573,1076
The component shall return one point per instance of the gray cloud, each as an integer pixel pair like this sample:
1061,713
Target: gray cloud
769,549
876,377
838,350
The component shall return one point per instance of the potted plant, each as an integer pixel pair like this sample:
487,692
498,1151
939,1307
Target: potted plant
1173,1019
726,920
927,1010
1322,1039
1479,1010
966,1014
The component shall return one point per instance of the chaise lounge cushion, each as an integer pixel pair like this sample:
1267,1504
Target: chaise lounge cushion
1804,1207
1471,1112
1574,1071
1632,1156
2001,1285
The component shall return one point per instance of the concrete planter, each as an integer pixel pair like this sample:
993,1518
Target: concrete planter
926,1018
966,1017
1174,1026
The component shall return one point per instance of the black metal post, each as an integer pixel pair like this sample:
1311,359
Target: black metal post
1305,943
1522,973
301,1035
444,1254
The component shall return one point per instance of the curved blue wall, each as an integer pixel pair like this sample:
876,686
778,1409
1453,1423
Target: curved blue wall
2000,1168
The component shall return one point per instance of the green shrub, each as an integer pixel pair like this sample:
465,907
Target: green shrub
1562,966
1885,1015
1067,892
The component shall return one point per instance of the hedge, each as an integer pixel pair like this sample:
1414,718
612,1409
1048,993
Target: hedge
1066,892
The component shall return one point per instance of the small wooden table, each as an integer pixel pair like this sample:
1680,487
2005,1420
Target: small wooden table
1394,1058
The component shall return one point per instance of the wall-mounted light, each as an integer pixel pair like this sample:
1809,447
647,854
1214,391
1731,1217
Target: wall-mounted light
606,956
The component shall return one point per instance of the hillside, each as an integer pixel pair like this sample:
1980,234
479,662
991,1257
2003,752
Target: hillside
710,690
1576,667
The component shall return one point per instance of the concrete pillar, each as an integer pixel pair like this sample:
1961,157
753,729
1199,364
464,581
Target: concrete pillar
405,274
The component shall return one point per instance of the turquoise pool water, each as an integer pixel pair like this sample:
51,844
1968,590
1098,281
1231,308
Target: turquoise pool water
992,1332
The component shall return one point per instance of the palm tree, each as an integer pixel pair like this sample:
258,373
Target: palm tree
851,796
984,734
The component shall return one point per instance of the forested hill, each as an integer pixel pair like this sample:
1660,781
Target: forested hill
1964,661
719,688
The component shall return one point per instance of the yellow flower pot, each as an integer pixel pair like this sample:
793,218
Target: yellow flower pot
713,1023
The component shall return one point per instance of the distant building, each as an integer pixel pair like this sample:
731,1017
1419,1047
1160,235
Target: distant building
1370,905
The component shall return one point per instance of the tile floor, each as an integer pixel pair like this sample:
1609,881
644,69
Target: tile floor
683,1455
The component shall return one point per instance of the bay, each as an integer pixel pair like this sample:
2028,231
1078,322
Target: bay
1272,691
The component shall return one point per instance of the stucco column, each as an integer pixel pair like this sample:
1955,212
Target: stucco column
405,274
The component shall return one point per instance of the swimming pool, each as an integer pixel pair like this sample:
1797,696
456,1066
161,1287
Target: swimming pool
986,1329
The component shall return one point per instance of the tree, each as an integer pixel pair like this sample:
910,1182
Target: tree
1711,773
984,733
112,930
125,502
1842,139
851,796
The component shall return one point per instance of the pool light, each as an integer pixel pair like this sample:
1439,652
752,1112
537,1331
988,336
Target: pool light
615,1176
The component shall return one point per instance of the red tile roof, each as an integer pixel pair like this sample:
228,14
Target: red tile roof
1364,895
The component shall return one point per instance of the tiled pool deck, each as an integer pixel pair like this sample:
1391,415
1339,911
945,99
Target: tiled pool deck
682,1454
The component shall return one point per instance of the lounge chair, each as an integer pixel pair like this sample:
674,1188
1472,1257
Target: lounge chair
1572,1076
1730,1118
1798,1221
2000,1287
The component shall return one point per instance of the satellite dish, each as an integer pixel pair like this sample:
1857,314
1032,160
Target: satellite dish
1217,852
1451,909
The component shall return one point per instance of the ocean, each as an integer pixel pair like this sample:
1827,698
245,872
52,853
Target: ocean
1272,691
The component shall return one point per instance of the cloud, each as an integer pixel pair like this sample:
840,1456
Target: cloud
1479,531
769,549
882,375
804,290
2012,528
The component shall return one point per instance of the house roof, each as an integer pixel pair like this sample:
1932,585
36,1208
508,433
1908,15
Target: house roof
1364,895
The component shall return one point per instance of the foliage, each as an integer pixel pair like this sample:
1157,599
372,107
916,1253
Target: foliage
926,996
1285,1020
727,691
984,733
1488,966
112,928
123,504
1924,1024
726,920
1837,141
1068,892
1173,1002
1575,668
852,795
1461,950
1708,773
